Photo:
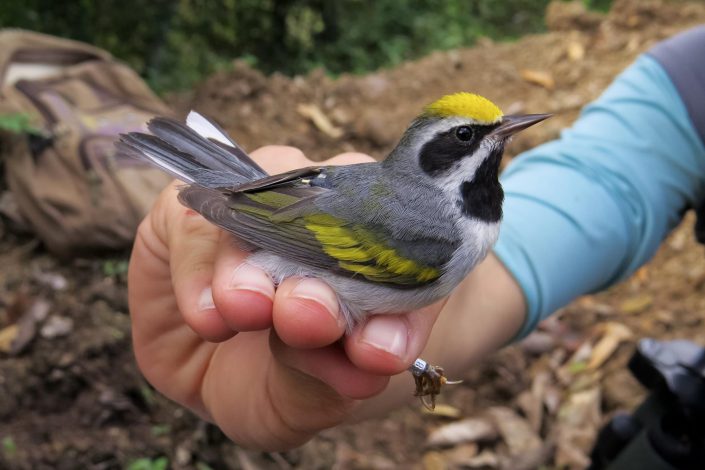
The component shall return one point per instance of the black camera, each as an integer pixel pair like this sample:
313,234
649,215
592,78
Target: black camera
667,431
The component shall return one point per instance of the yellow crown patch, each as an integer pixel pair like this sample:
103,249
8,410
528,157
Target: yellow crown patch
467,105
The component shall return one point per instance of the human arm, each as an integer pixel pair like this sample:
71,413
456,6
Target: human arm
590,208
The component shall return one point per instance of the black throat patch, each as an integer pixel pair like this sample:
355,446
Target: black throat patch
483,196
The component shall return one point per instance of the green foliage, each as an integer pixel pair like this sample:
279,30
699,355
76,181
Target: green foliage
18,123
598,5
9,447
147,395
160,463
115,267
174,43
159,430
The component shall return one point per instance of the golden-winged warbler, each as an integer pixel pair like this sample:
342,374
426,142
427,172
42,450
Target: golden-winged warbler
388,237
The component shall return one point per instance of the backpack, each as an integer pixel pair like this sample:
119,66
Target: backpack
69,184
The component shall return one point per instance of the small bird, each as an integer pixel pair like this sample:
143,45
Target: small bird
388,237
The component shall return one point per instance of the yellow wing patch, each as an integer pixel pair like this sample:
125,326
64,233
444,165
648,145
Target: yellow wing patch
355,248
467,105
358,250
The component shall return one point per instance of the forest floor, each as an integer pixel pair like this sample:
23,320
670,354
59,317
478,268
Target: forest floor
73,397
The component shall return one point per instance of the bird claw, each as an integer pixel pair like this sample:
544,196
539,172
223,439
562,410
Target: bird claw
429,380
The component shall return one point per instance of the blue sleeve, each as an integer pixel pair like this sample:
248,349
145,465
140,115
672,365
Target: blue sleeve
588,209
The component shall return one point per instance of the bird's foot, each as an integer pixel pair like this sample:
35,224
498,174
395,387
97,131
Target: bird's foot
429,380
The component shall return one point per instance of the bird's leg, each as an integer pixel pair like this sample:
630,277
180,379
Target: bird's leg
429,379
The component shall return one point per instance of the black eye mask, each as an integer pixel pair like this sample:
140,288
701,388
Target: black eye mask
441,152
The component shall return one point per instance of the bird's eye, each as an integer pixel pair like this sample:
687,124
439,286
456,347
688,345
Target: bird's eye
463,133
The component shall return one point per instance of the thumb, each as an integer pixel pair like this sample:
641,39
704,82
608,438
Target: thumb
388,344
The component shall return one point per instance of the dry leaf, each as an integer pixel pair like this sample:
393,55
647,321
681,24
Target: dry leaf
636,304
27,323
578,421
7,337
581,409
320,120
576,363
532,401
536,459
576,51
570,457
444,411
54,280
434,461
56,326
538,77
460,455
467,430
245,461
615,334
552,399
515,430
484,459
642,274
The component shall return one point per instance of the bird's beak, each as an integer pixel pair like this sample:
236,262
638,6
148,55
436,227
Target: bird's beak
514,123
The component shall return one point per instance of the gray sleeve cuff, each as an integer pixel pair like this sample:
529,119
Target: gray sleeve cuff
683,58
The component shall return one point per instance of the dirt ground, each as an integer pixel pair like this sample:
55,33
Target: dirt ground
72,397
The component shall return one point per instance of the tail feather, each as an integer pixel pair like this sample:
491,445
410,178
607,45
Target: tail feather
215,134
210,130
201,154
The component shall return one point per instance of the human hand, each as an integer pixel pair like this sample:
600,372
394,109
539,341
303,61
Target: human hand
267,366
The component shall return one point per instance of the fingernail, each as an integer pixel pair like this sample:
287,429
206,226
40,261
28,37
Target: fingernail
252,278
319,292
387,333
205,301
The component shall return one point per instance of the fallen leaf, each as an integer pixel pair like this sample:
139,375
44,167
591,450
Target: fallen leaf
532,460
183,455
642,274
54,280
577,425
467,430
538,77
7,336
552,399
581,409
458,456
245,461
56,326
320,120
531,401
636,304
576,364
615,334
569,456
27,325
484,459
444,411
576,51
515,430
620,390
434,461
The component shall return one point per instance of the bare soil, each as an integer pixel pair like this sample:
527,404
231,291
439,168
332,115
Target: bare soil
73,397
